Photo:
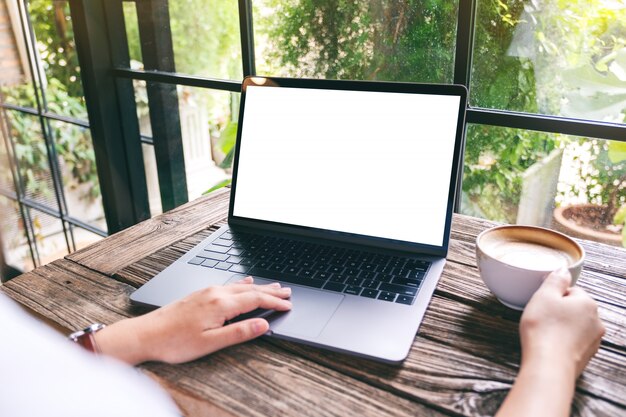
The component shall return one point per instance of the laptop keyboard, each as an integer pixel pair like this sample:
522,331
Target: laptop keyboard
360,273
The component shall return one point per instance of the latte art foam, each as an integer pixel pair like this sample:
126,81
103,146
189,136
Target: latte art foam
530,255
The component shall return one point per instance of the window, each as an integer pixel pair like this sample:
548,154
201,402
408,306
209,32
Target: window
567,61
50,202
546,132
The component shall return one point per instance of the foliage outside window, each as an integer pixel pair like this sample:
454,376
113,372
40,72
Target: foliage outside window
549,57
64,95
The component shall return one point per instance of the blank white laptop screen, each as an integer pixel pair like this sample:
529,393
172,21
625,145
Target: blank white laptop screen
368,163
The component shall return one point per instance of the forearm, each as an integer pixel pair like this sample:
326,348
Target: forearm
542,388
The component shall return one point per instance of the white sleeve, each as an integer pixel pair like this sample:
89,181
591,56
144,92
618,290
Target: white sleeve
43,374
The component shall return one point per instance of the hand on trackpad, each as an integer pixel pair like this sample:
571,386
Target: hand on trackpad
311,310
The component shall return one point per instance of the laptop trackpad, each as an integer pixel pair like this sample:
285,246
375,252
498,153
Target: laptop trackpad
311,310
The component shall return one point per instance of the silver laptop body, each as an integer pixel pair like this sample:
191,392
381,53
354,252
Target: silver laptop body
352,184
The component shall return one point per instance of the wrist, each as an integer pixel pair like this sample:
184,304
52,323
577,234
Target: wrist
123,341
550,366
86,337
544,386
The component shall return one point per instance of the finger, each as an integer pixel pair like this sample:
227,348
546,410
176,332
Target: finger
246,280
272,289
248,301
557,282
250,280
235,333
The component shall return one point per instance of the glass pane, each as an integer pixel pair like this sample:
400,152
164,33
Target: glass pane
205,37
555,58
572,184
143,110
16,249
49,236
77,163
19,93
15,76
57,51
208,130
84,238
6,177
152,179
132,33
399,41
32,158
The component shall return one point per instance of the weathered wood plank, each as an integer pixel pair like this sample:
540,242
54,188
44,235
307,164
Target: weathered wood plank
138,273
464,284
130,245
70,295
462,382
188,403
600,257
496,339
466,228
260,380
492,341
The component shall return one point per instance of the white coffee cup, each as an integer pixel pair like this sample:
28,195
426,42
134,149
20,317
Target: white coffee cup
514,260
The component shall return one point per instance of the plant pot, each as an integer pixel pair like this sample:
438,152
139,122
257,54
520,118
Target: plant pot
565,221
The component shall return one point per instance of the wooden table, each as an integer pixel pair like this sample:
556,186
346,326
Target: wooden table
463,361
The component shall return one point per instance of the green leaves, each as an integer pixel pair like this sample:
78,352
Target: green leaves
227,162
620,218
617,151
597,94
217,186
226,144
228,137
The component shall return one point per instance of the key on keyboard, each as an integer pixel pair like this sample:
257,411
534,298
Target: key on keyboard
359,273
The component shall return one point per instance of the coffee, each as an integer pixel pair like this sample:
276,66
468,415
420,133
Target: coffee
529,255
514,260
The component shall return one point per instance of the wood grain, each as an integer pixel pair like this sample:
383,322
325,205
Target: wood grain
71,295
141,271
262,380
122,249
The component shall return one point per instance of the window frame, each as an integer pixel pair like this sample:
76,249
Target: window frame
25,42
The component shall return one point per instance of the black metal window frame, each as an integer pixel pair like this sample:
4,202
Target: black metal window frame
44,117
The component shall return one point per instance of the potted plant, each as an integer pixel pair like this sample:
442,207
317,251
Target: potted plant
604,186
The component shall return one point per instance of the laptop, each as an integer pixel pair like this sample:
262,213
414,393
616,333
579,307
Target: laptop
343,191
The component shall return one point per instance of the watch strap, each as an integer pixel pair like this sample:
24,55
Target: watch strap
86,338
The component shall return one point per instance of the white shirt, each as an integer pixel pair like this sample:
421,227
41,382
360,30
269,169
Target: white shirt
44,374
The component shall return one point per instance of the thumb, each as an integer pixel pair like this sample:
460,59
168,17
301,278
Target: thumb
557,282
236,333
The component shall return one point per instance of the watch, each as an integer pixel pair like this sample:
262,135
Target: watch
86,337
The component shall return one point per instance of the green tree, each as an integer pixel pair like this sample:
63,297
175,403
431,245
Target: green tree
57,49
343,39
